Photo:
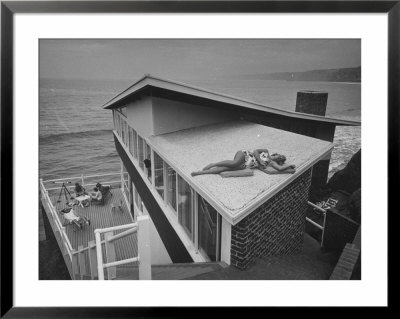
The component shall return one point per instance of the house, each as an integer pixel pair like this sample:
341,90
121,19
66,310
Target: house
164,130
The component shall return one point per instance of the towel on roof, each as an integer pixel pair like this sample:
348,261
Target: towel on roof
238,173
270,170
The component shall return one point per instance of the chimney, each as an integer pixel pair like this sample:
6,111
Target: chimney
312,102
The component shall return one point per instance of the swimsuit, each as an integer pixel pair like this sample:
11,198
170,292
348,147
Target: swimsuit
250,160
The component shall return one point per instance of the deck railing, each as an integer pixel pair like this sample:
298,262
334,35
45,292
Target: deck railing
75,258
59,231
113,179
141,227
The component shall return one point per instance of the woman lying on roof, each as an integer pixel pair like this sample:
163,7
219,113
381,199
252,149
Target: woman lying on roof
260,158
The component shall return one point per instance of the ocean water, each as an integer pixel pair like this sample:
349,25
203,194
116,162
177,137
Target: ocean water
75,133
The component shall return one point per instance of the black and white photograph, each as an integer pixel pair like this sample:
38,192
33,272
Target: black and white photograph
199,159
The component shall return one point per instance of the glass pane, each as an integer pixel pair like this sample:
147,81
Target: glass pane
130,140
185,209
135,147
140,152
140,203
207,229
136,197
118,125
126,133
138,200
125,176
171,187
147,162
159,174
123,130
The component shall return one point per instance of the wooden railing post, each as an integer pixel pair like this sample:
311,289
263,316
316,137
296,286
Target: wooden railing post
110,255
75,266
92,259
144,247
99,254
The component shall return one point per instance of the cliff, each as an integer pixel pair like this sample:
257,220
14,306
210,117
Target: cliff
349,180
327,75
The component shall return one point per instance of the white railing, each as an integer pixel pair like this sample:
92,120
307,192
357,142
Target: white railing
64,241
321,227
81,179
72,255
141,227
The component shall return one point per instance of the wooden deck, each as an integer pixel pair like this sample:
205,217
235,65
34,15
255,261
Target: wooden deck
101,216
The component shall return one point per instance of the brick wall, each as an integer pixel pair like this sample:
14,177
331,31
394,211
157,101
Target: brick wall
339,230
275,228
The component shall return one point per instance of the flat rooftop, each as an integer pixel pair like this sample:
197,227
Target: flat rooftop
235,197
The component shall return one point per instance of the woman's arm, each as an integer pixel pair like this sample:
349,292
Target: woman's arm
282,167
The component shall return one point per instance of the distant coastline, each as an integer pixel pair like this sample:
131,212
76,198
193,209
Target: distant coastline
341,75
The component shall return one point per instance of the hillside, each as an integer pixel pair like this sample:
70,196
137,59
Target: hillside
328,75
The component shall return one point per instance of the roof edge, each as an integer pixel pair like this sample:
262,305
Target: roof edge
150,80
248,209
241,214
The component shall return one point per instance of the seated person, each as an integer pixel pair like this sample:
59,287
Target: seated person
147,164
79,190
103,188
69,215
96,195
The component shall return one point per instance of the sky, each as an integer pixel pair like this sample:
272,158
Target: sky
187,58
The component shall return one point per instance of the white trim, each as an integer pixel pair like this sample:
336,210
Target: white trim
226,239
149,80
152,168
196,221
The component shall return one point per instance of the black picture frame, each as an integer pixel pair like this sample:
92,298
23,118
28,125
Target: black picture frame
9,8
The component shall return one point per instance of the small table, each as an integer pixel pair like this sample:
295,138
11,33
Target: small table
81,199
114,206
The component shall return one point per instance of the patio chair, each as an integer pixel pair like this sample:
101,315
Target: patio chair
77,222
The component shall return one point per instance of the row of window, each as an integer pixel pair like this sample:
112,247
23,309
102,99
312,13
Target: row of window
198,218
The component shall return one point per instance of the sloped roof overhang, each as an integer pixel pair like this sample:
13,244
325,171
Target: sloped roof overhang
154,86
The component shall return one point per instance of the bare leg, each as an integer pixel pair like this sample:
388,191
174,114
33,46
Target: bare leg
238,160
216,170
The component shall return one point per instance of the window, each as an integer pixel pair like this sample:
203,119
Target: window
125,181
114,119
126,139
123,111
185,206
138,201
171,186
130,140
159,174
118,128
141,152
208,230
123,130
135,144
147,161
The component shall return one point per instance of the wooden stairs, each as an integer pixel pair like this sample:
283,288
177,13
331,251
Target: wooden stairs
171,271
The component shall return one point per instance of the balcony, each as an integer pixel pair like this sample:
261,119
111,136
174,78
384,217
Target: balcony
78,245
